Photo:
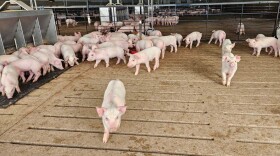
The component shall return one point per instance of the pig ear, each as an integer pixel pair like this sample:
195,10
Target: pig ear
122,109
100,111
225,58
238,58
247,40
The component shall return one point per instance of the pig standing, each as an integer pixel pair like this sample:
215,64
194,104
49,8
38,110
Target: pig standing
143,44
113,107
227,46
264,42
218,35
179,38
71,21
144,56
240,29
155,33
229,67
160,44
75,38
194,36
170,41
68,55
105,54
9,81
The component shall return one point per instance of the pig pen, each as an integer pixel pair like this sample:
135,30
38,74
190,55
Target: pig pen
179,109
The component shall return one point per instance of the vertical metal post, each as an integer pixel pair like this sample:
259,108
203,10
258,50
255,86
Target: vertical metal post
85,19
144,18
207,18
57,25
2,48
87,7
277,20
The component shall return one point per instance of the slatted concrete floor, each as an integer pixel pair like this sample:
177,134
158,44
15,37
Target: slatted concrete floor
179,109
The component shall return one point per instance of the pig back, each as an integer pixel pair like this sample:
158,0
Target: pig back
114,94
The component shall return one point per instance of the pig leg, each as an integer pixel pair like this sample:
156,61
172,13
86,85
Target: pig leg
30,76
230,76
224,76
137,69
191,44
186,45
107,62
96,63
258,52
175,46
66,64
18,89
255,50
198,42
124,60
37,75
118,60
22,76
210,40
275,50
106,136
148,66
171,48
220,41
77,63
52,69
162,53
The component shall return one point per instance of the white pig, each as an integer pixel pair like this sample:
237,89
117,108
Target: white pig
105,54
263,43
143,44
9,81
144,56
227,46
6,59
170,41
89,40
179,38
229,67
155,33
194,36
160,44
71,21
218,35
240,29
68,55
113,107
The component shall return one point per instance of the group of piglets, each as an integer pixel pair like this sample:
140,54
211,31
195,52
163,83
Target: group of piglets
36,61
98,47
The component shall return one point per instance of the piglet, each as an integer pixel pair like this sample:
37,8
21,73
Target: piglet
160,44
194,36
263,42
227,46
105,54
9,81
240,29
218,35
229,67
113,107
69,55
144,56
143,44
179,38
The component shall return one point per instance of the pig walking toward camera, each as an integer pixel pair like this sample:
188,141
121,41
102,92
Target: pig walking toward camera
229,67
218,35
69,55
194,36
113,107
144,56
227,46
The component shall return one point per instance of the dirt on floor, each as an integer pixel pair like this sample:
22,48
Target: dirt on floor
179,109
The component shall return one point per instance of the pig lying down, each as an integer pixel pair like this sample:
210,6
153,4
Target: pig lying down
113,107
229,67
144,56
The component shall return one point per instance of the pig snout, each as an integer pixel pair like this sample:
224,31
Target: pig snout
232,64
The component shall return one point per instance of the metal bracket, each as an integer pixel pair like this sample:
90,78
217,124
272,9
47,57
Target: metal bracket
37,34
2,48
19,37
51,35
